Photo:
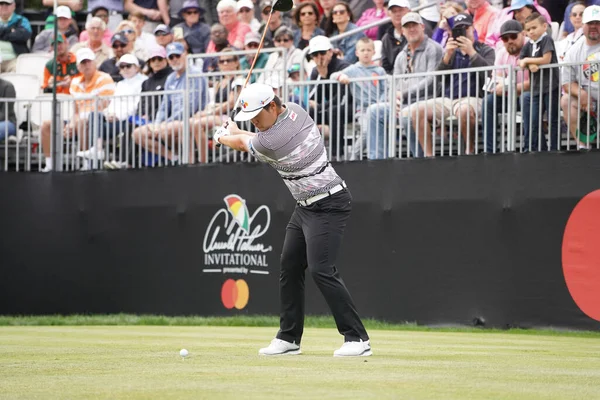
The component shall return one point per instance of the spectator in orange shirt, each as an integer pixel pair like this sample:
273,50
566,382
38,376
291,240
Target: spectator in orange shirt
484,16
85,89
67,68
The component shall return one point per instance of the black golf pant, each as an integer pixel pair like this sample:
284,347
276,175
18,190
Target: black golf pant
313,239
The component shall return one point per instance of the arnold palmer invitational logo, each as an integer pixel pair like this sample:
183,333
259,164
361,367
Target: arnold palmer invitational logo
232,242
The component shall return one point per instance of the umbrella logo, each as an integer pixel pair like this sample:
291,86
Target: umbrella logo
238,210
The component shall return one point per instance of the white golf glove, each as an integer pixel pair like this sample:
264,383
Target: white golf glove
222,131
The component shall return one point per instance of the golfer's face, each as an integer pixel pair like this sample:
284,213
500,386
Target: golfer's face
265,118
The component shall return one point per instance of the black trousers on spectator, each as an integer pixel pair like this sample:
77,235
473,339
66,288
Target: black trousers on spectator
313,239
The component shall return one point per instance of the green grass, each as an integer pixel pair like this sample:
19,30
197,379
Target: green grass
254,321
140,362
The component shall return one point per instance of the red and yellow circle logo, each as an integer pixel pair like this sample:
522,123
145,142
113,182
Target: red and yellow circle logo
235,294
581,255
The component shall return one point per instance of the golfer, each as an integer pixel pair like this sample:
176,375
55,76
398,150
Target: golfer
290,142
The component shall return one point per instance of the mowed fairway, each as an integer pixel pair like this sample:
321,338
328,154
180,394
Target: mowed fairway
140,362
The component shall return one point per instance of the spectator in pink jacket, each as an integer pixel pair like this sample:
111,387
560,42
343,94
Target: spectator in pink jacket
371,15
507,13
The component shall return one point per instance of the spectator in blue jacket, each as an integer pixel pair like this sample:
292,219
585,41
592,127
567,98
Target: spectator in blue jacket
14,30
342,19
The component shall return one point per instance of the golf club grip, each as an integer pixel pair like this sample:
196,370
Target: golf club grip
237,110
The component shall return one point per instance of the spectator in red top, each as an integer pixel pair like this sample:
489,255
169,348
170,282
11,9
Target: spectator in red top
226,10
484,16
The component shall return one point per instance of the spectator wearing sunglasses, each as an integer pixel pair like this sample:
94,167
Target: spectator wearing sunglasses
163,35
120,46
251,43
128,29
496,101
245,14
576,18
274,24
95,28
343,21
275,63
158,71
115,118
307,19
196,32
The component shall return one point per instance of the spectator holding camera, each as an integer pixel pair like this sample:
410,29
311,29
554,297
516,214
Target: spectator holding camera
545,91
462,91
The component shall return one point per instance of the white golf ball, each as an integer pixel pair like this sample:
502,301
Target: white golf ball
183,353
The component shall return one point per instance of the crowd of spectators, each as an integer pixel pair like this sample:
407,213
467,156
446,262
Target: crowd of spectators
143,43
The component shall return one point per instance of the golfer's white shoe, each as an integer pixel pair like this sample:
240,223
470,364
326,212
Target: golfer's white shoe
354,349
280,347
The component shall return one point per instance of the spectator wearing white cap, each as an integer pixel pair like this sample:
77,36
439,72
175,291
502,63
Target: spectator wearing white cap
156,11
251,42
580,83
120,46
227,12
15,31
392,39
95,28
43,40
245,13
195,32
162,137
115,118
91,91
326,101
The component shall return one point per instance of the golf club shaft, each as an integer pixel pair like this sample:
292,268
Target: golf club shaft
260,46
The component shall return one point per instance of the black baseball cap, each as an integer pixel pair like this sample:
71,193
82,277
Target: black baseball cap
511,26
119,37
462,19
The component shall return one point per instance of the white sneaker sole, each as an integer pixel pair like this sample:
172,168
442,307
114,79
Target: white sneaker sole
287,353
366,353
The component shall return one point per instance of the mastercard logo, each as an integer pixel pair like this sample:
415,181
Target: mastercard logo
235,294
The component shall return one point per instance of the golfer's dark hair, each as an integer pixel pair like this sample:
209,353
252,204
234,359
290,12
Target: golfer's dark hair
275,100
536,16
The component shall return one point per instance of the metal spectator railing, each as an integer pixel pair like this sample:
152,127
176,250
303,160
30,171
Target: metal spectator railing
370,118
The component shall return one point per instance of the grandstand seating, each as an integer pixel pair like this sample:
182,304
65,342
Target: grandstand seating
32,64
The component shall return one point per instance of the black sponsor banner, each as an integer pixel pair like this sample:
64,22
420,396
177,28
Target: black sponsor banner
445,241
